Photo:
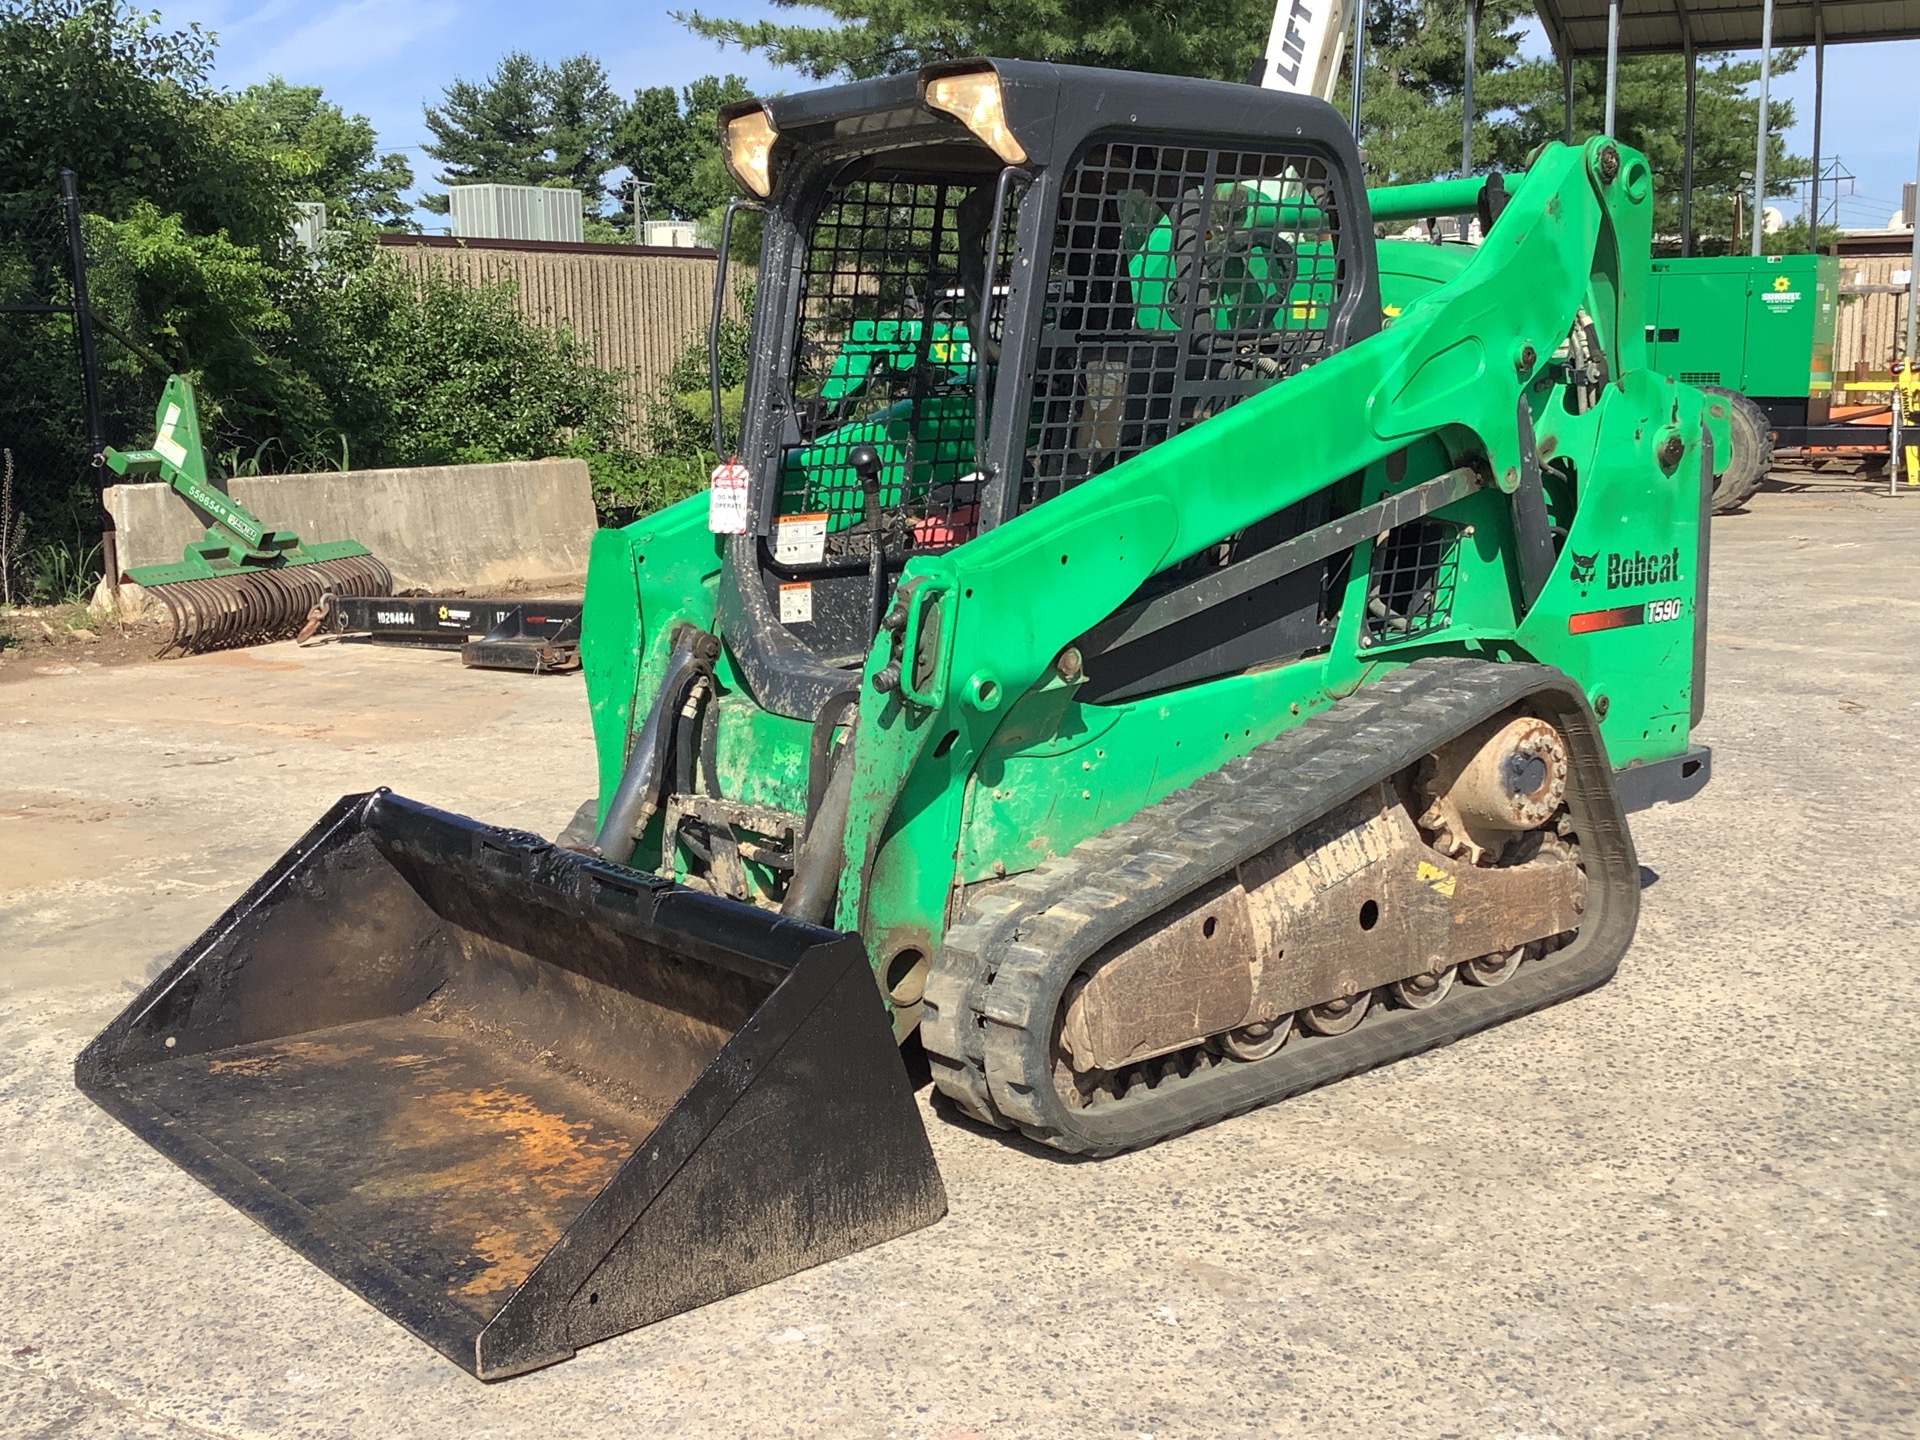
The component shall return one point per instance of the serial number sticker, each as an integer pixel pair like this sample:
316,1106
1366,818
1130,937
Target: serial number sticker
800,539
1654,612
796,604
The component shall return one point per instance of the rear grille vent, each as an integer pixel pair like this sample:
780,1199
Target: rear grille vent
1410,589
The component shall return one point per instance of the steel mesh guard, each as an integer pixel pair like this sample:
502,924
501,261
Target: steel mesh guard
1411,585
885,357
1182,280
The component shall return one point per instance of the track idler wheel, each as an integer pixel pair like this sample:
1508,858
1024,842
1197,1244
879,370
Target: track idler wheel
1494,969
1421,992
1257,1041
1336,1017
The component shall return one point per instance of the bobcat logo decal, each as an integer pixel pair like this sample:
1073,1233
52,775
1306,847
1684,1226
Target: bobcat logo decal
1583,567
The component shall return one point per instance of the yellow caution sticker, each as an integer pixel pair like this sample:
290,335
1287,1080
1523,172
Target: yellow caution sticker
1442,881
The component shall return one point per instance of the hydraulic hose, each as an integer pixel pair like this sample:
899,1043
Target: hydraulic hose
816,873
638,795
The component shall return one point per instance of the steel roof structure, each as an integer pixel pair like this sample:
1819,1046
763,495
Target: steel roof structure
1608,29
1578,28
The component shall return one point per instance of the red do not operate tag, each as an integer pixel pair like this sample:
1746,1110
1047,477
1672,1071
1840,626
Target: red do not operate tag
727,498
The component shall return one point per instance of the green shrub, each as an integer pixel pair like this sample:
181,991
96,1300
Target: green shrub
299,363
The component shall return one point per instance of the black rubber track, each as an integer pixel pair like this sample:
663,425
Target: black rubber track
996,983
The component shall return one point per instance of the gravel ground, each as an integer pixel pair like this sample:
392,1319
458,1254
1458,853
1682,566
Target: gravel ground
1683,1205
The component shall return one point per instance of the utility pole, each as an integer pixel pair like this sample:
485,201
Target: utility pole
1686,149
1359,60
640,188
1913,266
89,373
1760,150
1466,91
1819,101
1613,61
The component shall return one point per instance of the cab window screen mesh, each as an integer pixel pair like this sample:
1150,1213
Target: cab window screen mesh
1182,280
885,358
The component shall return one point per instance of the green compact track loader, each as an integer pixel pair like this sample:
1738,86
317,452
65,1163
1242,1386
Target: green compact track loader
1161,645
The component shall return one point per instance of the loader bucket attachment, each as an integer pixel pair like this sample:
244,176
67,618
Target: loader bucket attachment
517,1098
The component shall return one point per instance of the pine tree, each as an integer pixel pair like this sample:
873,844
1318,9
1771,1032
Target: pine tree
529,123
669,144
1412,95
1219,38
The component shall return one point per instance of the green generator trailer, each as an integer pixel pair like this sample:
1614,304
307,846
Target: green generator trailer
1759,329
1762,325
1157,644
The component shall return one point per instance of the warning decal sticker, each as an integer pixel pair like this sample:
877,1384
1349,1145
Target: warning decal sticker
796,604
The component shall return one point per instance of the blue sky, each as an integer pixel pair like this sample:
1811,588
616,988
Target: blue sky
388,59
1871,120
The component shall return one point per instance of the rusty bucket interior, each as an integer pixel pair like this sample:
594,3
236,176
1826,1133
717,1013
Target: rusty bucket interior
517,1098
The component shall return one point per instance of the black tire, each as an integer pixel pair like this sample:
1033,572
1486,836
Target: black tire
1752,456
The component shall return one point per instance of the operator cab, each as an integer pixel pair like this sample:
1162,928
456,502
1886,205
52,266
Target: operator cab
989,282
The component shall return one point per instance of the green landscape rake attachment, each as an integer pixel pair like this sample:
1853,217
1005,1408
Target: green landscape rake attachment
242,584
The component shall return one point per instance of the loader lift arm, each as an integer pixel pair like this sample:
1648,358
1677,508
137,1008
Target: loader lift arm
1462,367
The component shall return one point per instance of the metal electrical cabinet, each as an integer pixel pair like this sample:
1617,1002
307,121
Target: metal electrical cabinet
1762,325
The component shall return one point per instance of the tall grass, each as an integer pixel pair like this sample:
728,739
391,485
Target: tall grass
55,572
63,573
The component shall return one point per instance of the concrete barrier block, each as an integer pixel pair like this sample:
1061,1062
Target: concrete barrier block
442,527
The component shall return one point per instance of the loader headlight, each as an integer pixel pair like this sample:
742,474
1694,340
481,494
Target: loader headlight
750,140
974,100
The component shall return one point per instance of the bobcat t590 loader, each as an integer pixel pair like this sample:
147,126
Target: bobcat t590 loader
1162,646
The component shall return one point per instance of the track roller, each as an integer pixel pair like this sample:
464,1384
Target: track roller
1298,916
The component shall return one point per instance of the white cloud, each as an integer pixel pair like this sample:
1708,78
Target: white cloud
352,36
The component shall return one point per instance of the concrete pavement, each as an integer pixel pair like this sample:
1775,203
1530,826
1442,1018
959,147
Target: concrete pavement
1683,1205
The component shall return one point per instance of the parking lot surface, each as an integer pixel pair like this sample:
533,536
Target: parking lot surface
1683,1205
